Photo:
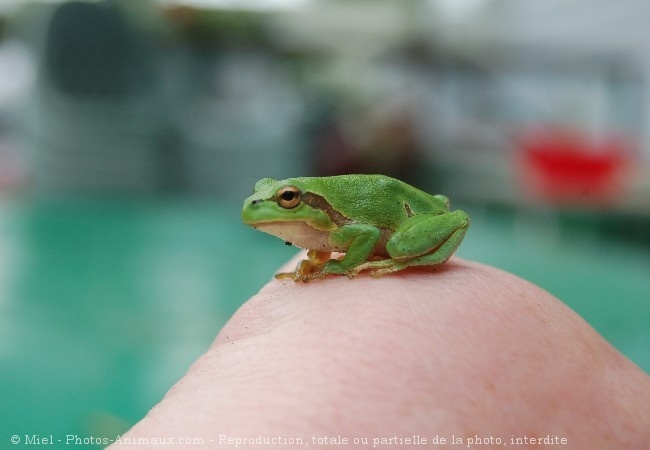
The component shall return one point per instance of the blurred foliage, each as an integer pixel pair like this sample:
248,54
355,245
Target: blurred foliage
208,28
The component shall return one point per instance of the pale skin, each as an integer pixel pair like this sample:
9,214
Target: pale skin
465,350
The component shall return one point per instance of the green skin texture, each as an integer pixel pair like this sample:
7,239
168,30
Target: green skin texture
381,224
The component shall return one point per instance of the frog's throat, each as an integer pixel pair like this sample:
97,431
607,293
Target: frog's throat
301,234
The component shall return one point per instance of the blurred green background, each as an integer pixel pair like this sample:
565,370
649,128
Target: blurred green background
130,132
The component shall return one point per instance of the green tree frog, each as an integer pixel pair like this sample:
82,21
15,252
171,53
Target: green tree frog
381,224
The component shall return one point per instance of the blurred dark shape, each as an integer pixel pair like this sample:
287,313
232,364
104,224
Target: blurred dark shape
97,122
92,50
390,147
569,168
372,137
332,152
393,147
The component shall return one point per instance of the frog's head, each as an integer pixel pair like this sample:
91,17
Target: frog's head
284,205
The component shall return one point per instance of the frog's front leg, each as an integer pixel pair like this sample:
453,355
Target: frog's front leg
358,241
313,264
422,240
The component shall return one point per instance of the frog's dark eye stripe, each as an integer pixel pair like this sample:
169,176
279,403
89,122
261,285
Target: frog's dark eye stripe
288,197
317,202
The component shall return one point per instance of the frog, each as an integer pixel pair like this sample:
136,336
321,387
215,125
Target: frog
378,223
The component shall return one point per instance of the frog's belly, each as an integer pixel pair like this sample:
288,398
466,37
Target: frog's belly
301,235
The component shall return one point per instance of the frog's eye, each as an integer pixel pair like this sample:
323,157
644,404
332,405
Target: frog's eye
288,197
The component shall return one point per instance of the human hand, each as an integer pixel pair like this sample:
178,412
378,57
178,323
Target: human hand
466,352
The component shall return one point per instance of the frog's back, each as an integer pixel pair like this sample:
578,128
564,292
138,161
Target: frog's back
374,199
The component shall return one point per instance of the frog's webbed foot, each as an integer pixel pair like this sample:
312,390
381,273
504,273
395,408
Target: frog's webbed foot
307,269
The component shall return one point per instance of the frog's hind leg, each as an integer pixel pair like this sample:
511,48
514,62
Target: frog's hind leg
439,256
443,243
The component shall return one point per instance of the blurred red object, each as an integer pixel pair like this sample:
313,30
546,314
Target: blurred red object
564,167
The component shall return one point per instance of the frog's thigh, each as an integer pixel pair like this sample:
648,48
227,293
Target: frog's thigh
426,234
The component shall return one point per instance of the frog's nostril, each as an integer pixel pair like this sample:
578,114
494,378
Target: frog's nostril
255,202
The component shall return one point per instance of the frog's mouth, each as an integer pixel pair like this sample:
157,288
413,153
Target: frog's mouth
300,234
